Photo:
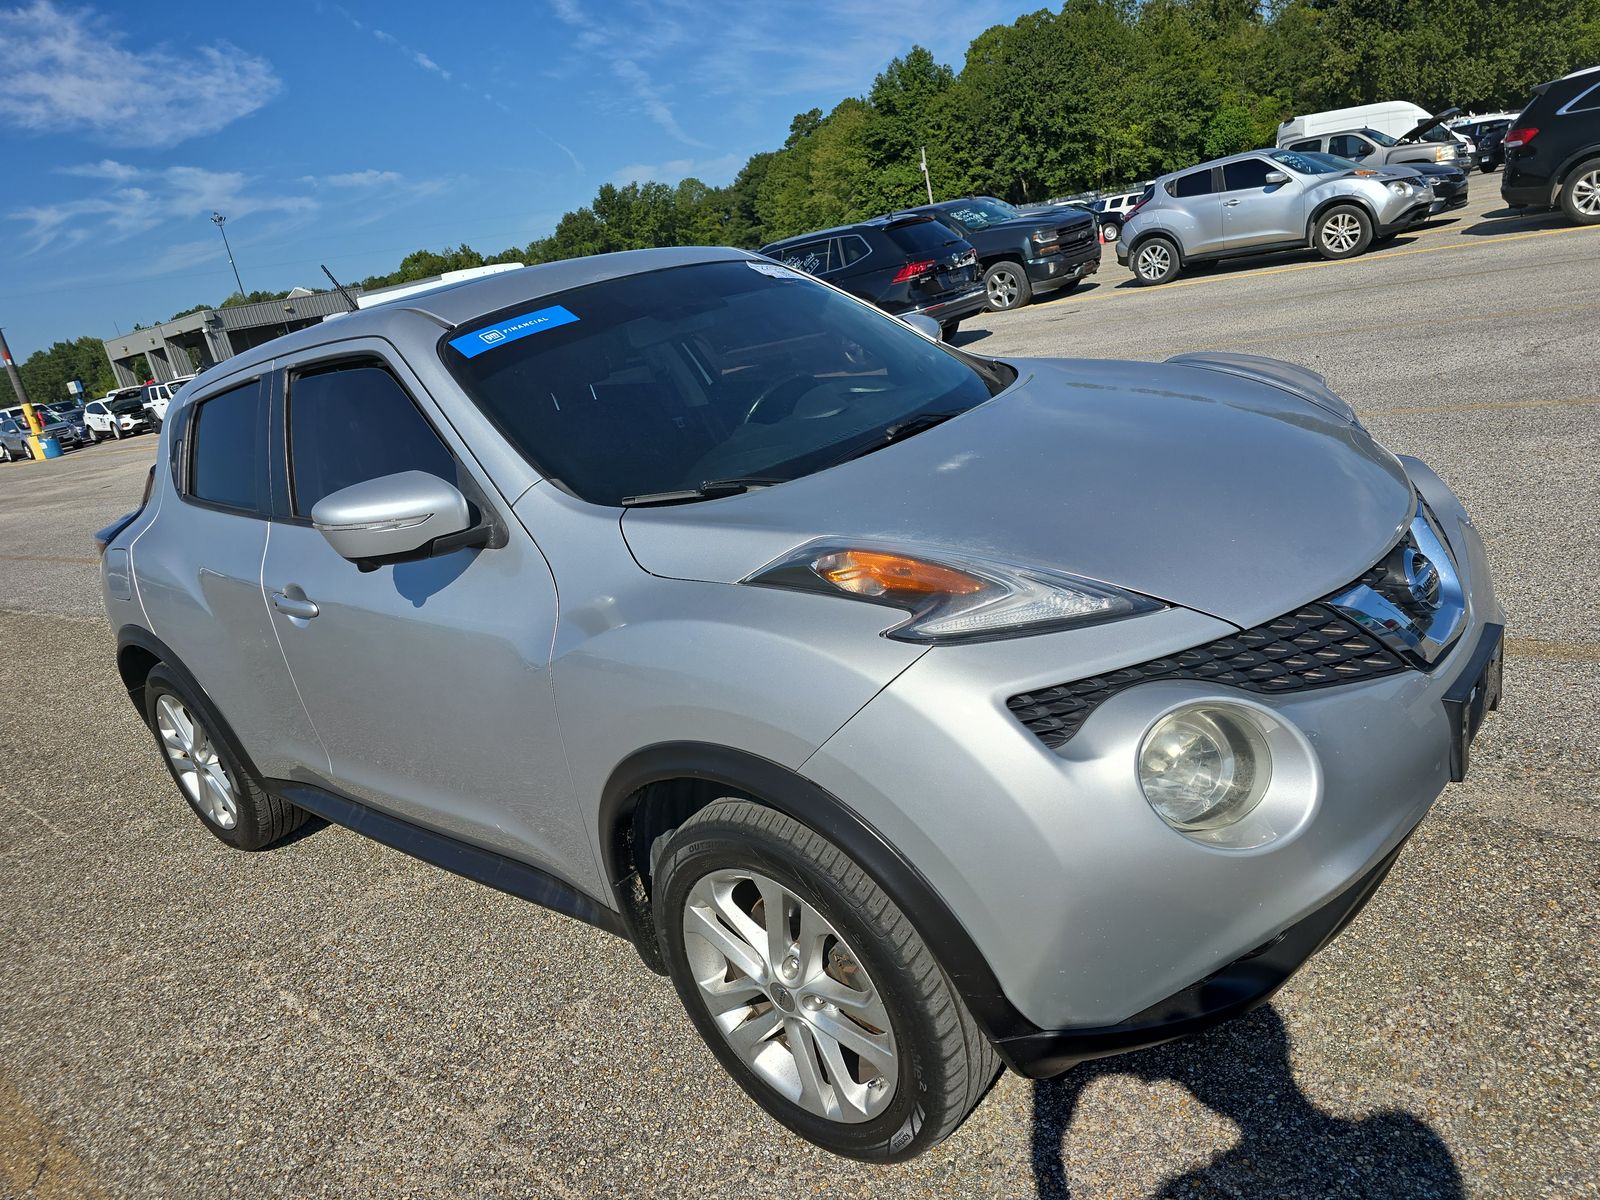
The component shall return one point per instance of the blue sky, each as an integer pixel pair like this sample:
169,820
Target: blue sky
353,133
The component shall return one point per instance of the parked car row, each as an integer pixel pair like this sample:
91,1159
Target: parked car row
121,412
950,260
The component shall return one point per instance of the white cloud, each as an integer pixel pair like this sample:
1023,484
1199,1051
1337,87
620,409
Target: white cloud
68,70
622,43
104,169
168,194
363,179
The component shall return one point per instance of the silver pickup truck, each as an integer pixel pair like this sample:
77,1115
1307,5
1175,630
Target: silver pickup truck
1428,142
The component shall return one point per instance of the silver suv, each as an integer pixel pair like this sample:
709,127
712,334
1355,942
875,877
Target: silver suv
916,712
1264,201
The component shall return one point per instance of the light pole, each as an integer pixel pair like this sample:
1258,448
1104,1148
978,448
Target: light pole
217,219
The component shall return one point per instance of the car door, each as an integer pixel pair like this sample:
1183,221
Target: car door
199,577
1198,199
1258,213
1352,146
428,681
94,416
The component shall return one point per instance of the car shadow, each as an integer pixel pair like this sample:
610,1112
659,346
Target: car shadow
1502,221
965,337
1287,1146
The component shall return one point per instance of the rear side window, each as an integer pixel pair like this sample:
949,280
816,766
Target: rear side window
811,257
352,423
1588,101
1308,144
923,237
1195,183
852,248
227,444
1247,173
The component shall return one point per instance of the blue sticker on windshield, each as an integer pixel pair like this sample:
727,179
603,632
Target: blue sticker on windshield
470,345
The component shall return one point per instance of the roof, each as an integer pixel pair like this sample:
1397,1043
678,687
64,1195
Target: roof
456,304
894,218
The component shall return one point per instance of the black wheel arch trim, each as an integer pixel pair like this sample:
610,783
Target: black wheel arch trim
1572,163
1166,236
776,786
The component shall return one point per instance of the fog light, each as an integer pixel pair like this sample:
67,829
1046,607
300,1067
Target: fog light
1204,766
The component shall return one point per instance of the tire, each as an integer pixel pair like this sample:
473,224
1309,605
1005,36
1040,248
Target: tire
1580,195
1486,168
1344,231
116,430
27,450
1006,286
1155,261
923,1066
210,775
1110,232
949,330
5,452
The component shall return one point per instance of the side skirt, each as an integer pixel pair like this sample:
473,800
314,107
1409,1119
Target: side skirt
489,867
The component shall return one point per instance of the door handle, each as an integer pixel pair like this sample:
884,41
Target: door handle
294,606
1229,203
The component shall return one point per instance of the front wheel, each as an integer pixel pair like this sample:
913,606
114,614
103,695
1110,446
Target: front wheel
1343,232
5,452
1006,287
116,431
812,988
1155,261
1110,232
1580,195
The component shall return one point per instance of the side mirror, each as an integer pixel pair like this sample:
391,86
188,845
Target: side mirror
924,324
1276,177
408,515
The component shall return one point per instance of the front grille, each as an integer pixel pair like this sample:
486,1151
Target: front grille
1069,239
1311,647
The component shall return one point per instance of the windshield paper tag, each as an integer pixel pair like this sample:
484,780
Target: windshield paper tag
772,269
470,345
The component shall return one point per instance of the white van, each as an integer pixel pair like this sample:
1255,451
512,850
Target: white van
1395,118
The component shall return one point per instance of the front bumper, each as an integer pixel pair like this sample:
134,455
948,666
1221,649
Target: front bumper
1059,270
1095,917
1246,983
1407,213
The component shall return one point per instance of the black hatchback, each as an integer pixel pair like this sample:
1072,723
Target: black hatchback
907,265
1553,149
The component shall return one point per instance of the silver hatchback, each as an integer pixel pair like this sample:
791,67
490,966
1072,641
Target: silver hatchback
1265,201
916,712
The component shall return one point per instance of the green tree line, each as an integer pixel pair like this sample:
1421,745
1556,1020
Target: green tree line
1096,94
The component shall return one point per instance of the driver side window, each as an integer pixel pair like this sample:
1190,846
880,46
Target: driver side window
1348,145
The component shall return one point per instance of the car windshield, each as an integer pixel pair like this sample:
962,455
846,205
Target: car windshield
677,378
126,404
982,213
1382,138
1308,162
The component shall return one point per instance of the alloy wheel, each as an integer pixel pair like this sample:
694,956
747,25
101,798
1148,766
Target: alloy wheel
790,996
1154,261
1341,232
1003,289
194,760
1586,194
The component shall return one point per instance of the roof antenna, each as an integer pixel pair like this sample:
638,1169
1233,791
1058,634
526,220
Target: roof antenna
354,307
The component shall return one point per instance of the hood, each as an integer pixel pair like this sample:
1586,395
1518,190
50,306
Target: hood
1029,219
1207,485
1427,123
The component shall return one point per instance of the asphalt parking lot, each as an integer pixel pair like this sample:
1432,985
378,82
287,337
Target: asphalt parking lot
333,1018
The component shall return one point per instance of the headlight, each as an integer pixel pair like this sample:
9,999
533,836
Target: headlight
1204,766
1041,236
1444,153
951,598
1400,187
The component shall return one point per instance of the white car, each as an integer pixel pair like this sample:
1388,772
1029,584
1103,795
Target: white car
159,396
119,413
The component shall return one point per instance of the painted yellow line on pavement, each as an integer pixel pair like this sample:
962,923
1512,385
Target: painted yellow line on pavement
1479,406
1549,648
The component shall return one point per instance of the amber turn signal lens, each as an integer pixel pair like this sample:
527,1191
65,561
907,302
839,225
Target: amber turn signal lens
868,573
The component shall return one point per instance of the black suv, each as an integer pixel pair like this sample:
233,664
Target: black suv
1023,251
906,265
1553,149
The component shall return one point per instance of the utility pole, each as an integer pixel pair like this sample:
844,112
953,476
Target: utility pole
926,178
29,417
217,219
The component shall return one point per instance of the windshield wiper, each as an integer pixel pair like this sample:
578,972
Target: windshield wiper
711,489
898,432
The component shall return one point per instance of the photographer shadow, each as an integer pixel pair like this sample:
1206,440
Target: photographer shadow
1287,1146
